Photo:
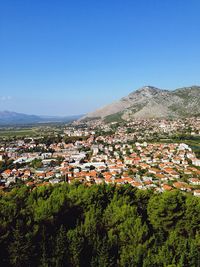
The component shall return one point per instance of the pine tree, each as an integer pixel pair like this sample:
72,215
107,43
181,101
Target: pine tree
60,248
20,247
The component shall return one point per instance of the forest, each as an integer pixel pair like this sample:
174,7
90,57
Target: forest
99,226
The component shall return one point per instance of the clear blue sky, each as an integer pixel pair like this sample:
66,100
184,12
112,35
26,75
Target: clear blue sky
72,56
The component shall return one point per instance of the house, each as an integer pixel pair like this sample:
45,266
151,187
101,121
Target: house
167,187
55,181
30,184
120,181
154,170
24,177
49,174
137,184
27,172
136,160
196,193
128,179
10,180
98,180
128,160
6,173
196,162
182,186
194,181
161,176
175,175
40,175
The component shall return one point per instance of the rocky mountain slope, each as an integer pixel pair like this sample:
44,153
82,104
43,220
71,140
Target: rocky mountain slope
151,102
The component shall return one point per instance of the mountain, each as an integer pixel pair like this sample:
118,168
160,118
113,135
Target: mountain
10,117
152,102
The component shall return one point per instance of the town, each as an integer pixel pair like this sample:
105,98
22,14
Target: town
156,154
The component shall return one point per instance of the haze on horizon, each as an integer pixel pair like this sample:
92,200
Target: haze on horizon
71,57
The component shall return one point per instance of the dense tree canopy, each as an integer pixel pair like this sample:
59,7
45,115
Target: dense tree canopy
75,225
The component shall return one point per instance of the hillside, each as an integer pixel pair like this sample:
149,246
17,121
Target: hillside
98,226
152,102
12,118
9,117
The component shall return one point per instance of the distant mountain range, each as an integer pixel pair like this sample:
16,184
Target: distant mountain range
11,118
152,102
